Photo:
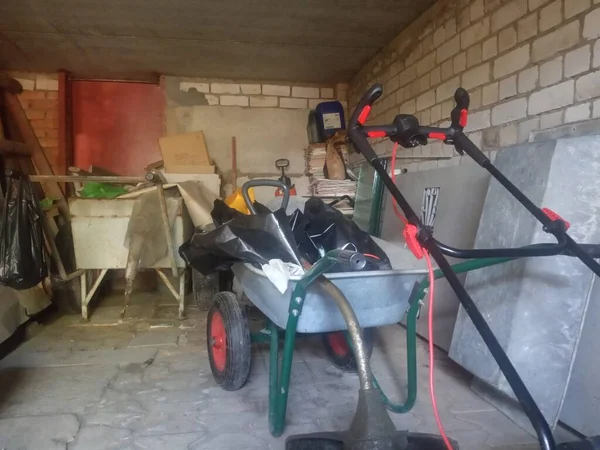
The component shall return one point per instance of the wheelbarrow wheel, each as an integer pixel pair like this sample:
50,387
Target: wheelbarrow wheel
228,341
339,351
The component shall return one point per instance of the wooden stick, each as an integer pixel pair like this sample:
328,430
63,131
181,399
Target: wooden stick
139,192
51,188
15,148
88,178
234,162
61,157
7,162
165,280
10,84
54,254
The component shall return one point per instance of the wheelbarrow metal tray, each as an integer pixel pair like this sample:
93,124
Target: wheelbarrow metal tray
377,297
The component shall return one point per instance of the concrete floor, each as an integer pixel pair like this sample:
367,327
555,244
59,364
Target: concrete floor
146,384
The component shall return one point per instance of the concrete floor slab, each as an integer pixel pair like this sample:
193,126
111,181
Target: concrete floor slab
155,338
38,432
101,437
81,358
161,394
37,391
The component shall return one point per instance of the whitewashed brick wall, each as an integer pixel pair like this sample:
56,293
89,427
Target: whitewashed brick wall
255,95
527,64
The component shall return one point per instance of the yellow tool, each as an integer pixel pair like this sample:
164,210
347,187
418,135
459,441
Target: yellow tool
236,201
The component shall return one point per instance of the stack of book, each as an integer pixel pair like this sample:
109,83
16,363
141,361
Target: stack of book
321,186
315,161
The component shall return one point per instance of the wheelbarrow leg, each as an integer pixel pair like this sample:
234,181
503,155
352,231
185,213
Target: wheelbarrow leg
181,297
83,287
411,363
279,388
86,297
275,420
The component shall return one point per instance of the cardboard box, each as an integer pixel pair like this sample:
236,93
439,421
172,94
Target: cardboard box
188,149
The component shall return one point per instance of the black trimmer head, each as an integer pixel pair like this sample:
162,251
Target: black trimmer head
371,429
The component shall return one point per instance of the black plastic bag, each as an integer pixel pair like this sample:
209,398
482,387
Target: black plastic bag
249,238
23,261
322,228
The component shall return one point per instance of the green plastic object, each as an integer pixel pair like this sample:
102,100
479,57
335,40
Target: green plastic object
369,199
46,203
101,190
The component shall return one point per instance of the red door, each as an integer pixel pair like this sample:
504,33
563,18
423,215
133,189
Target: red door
116,125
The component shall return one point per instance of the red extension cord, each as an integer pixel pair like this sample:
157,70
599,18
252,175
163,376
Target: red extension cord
430,318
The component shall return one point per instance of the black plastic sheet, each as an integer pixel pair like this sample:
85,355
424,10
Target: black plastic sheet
322,228
250,238
23,262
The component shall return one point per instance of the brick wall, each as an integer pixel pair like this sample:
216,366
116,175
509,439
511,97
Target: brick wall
269,95
40,102
268,119
528,65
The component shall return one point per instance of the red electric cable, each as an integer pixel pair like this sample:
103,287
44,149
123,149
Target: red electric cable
430,318
372,256
431,355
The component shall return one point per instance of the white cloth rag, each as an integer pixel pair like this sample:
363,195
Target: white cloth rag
279,272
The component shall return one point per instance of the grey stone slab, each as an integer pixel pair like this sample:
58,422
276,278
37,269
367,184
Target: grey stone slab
308,348
38,432
179,381
79,338
156,372
52,390
230,441
470,440
168,441
501,429
124,356
535,306
174,402
323,370
406,421
195,337
116,409
100,437
114,419
156,338
171,418
158,396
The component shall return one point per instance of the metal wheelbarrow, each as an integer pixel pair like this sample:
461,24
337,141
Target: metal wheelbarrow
377,298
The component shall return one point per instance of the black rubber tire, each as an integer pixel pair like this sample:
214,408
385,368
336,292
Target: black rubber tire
238,351
347,362
204,287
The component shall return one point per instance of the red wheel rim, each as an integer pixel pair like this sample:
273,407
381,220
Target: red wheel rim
218,337
338,343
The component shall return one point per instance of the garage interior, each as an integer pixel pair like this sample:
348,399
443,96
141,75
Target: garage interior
155,294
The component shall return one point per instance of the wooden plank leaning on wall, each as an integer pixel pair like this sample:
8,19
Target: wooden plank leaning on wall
17,116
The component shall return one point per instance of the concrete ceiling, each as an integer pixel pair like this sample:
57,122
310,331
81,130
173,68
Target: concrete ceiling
287,40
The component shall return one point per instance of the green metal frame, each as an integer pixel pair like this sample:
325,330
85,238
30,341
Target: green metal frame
279,379
280,374
377,202
415,301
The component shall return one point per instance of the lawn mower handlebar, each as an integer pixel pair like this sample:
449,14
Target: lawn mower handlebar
407,132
